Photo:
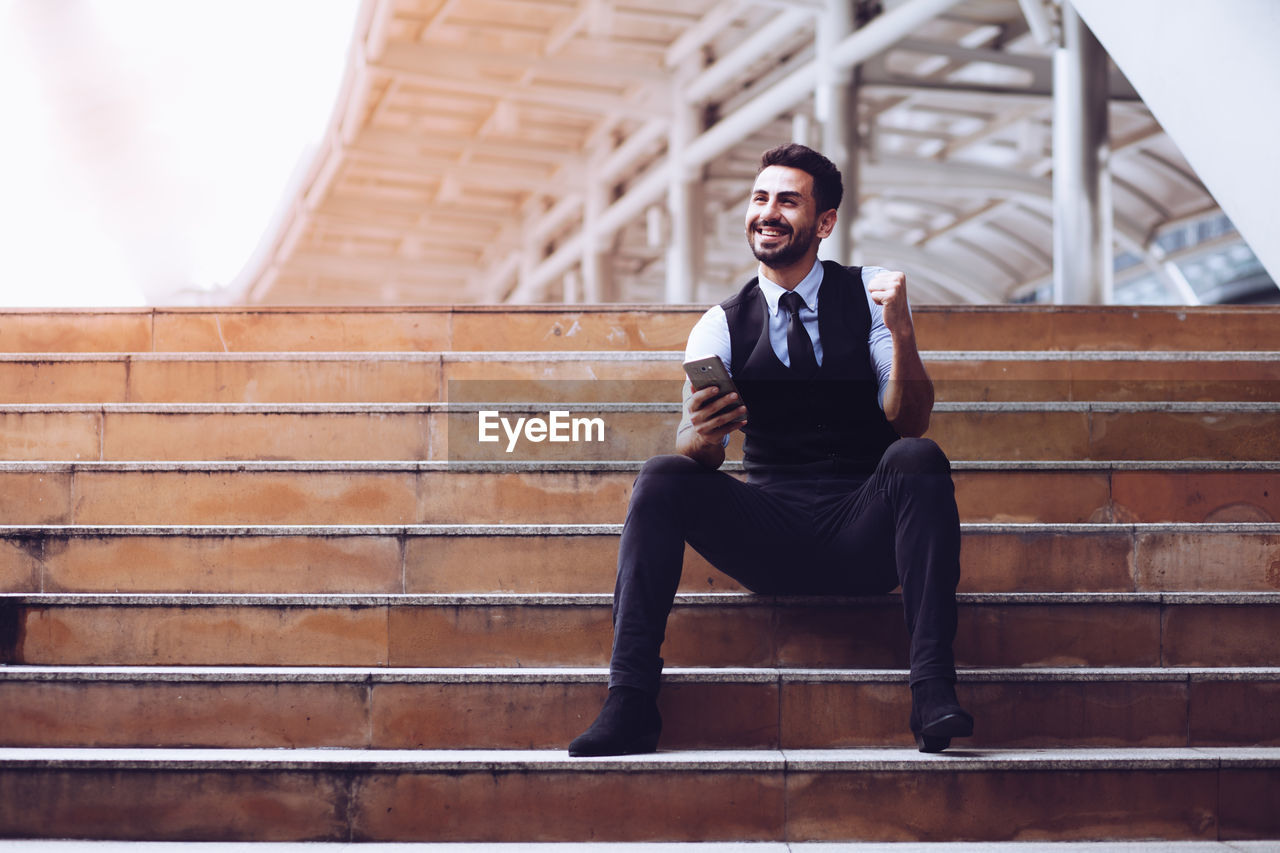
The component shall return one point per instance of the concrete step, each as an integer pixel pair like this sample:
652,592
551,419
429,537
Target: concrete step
540,708
958,375
602,432
360,377
1113,376
713,629
751,795
374,329
574,558
346,493
604,327
619,376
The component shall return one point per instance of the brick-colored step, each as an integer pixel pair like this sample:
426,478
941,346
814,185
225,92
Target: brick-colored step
969,430
958,375
602,327
1104,376
365,377
595,376
546,708
389,329
345,493
720,629
624,432
581,558
1011,376
754,795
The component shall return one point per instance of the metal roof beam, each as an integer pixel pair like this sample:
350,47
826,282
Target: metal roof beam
696,37
405,65
509,179
888,174
876,72
422,268
737,61
438,58
395,143
565,31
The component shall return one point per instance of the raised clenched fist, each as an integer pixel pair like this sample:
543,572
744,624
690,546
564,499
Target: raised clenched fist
889,290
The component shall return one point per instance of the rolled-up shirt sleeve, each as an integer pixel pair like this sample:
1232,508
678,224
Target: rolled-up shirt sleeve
710,336
879,341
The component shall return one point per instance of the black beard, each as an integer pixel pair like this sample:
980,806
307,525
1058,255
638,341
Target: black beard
784,255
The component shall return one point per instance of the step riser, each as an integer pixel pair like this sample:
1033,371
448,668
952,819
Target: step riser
587,328
119,436
657,805
588,497
415,380
753,635
1088,328
1118,561
219,382
354,330
1104,381
790,715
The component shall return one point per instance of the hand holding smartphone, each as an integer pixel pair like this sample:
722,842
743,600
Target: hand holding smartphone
708,372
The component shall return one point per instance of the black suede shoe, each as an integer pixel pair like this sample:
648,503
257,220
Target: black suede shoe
629,723
936,715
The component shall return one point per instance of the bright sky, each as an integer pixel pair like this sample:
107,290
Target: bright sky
147,144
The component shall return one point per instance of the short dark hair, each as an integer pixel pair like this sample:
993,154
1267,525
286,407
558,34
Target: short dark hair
828,188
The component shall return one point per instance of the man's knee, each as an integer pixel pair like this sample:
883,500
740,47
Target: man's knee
664,476
669,464
916,456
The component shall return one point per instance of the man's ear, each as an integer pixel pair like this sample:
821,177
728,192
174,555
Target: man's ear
827,223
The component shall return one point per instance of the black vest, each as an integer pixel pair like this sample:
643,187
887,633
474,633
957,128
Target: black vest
832,422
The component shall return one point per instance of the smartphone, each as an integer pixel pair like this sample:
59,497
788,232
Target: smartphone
705,372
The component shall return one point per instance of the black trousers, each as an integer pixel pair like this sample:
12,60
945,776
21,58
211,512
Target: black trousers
786,534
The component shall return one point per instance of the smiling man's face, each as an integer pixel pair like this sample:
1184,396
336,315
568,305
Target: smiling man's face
783,223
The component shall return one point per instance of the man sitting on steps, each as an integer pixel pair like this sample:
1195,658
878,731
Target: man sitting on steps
842,496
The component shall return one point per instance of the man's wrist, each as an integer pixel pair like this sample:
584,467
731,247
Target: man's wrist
905,337
708,455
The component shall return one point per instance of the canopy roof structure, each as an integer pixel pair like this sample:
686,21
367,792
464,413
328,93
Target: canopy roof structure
536,151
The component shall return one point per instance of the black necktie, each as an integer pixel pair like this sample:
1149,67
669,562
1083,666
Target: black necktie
799,346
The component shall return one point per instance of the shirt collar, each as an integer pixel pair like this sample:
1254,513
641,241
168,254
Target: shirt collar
807,288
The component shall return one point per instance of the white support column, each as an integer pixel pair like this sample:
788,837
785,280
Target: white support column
684,207
530,259
800,130
1082,214
596,271
572,287
836,108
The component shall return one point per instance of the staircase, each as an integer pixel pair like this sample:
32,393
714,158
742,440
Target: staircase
264,583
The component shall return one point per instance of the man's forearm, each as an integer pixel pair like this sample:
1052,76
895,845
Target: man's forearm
908,399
